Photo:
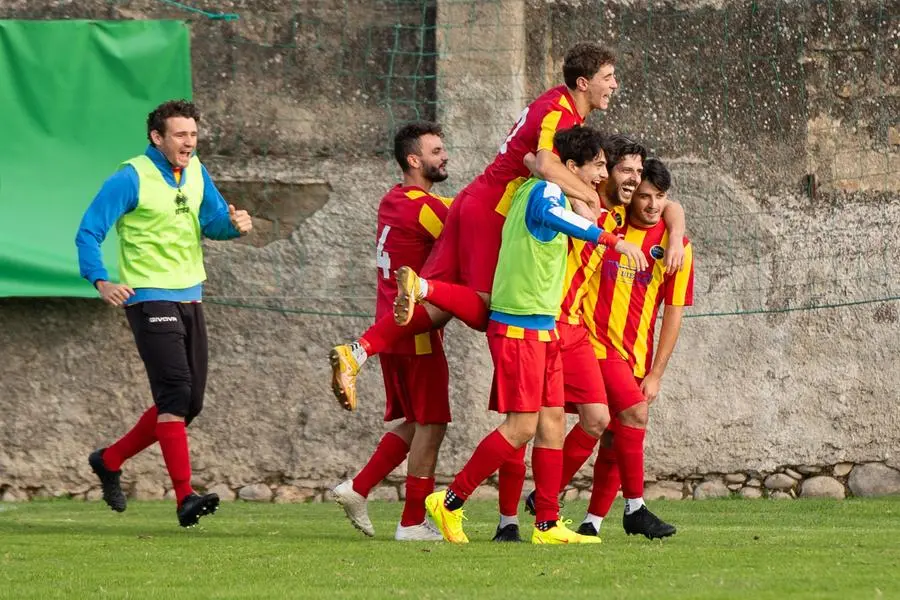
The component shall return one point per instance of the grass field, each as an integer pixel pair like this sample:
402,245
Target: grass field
724,549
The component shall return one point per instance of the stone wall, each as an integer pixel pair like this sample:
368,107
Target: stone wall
299,104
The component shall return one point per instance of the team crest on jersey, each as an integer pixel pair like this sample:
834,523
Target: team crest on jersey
657,252
618,218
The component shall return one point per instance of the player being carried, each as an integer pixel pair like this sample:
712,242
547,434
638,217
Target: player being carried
459,273
416,378
528,384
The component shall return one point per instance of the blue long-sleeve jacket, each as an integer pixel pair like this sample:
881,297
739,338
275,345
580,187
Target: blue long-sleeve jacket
546,216
118,196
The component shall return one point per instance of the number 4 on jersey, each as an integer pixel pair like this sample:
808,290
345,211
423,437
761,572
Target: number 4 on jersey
382,258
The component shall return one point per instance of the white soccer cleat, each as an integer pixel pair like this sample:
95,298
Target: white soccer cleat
355,506
423,532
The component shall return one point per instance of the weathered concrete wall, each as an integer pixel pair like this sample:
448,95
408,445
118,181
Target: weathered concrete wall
745,103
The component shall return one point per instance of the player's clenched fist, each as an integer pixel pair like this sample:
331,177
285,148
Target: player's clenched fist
114,293
240,219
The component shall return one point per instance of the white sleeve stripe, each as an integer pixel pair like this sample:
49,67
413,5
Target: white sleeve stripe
570,217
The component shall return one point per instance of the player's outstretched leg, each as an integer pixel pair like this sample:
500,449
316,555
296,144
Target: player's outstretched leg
462,302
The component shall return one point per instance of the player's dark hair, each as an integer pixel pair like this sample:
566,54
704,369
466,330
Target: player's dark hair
656,172
156,120
579,144
618,146
406,140
584,59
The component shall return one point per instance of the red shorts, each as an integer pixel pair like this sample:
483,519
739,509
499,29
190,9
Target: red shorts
416,387
466,251
527,374
622,388
581,371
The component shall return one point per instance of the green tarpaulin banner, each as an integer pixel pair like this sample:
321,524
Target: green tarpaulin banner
74,99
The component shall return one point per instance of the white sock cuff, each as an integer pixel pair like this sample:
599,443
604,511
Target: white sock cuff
505,520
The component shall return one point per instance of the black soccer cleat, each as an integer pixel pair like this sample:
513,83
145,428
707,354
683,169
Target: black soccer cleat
587,529
195,506
510,533
531,508
109,480
529,504
645,523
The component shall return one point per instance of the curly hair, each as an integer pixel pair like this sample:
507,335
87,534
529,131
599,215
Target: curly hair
156,120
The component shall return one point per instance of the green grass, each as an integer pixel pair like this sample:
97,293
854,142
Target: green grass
724,549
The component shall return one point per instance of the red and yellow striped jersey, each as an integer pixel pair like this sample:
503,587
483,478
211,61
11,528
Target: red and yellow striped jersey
621,304
552,111
409,221
581,263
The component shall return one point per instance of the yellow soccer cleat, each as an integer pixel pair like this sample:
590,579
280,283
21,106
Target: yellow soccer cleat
407,295
560,534
344,370
448,522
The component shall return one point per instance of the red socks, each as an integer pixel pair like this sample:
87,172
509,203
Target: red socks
546,464
173,442
385,332
510,481
141,436
489,456
606,482
417,489
463,303
391,451
629,446
578,448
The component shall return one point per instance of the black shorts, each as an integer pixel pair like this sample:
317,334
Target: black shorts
171,339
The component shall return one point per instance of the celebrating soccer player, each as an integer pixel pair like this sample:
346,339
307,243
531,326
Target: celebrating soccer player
528,384
162,203
459,273
620,310
416,378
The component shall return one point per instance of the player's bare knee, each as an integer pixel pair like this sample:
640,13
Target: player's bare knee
635,416
551,429
519,428
594,419
405,431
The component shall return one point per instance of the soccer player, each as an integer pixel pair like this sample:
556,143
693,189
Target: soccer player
528,385
162,203
461,266
620,310
416,378
584,385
